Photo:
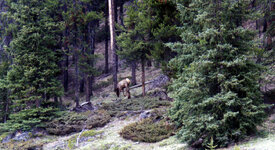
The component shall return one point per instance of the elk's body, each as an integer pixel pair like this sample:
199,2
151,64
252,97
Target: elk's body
125,83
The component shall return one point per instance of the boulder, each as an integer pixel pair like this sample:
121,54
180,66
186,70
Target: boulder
145,114
21,136
86,106
158,92
159,82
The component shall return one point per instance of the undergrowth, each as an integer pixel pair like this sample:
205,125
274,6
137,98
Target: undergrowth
148,131
134,104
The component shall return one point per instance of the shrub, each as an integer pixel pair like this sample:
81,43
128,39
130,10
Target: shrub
29,118
147,131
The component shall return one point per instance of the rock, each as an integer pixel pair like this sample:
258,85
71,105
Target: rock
21,136
8,138
145,114
158,82
86,106
158,92
155,114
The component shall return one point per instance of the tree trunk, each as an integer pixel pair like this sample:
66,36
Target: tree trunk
66,73
115,10
66,57
121,12
149,63
133,66
112,35
106,70
82,83
76,81
143,76
60,101
88,88
55,100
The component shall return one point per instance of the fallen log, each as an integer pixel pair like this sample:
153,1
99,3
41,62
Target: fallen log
139,85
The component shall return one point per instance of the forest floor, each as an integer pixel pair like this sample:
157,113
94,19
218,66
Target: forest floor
108,137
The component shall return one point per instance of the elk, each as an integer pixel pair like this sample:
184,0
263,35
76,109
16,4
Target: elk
125,83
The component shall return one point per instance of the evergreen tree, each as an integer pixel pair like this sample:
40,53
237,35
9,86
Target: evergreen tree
32,79
81,19
216,89
148,25
4,101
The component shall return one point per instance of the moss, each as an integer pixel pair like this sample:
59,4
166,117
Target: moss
148,131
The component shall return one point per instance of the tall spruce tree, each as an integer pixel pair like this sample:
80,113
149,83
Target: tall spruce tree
32,79
216,88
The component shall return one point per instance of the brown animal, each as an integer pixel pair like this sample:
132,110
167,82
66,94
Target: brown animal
125,83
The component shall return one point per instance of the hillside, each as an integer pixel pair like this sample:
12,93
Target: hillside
181,75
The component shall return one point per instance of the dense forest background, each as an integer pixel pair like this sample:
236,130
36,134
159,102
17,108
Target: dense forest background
219,55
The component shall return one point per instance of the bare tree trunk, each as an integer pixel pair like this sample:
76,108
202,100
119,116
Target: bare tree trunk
76,81
66,73
87,88
115,10
60,101
55,100
134,66
149,63
112,35
66,57
82,83
106,70
143,76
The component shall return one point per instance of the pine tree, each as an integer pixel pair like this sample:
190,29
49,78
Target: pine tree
32,79
134,41
216,88
81,19
148,25
4,101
